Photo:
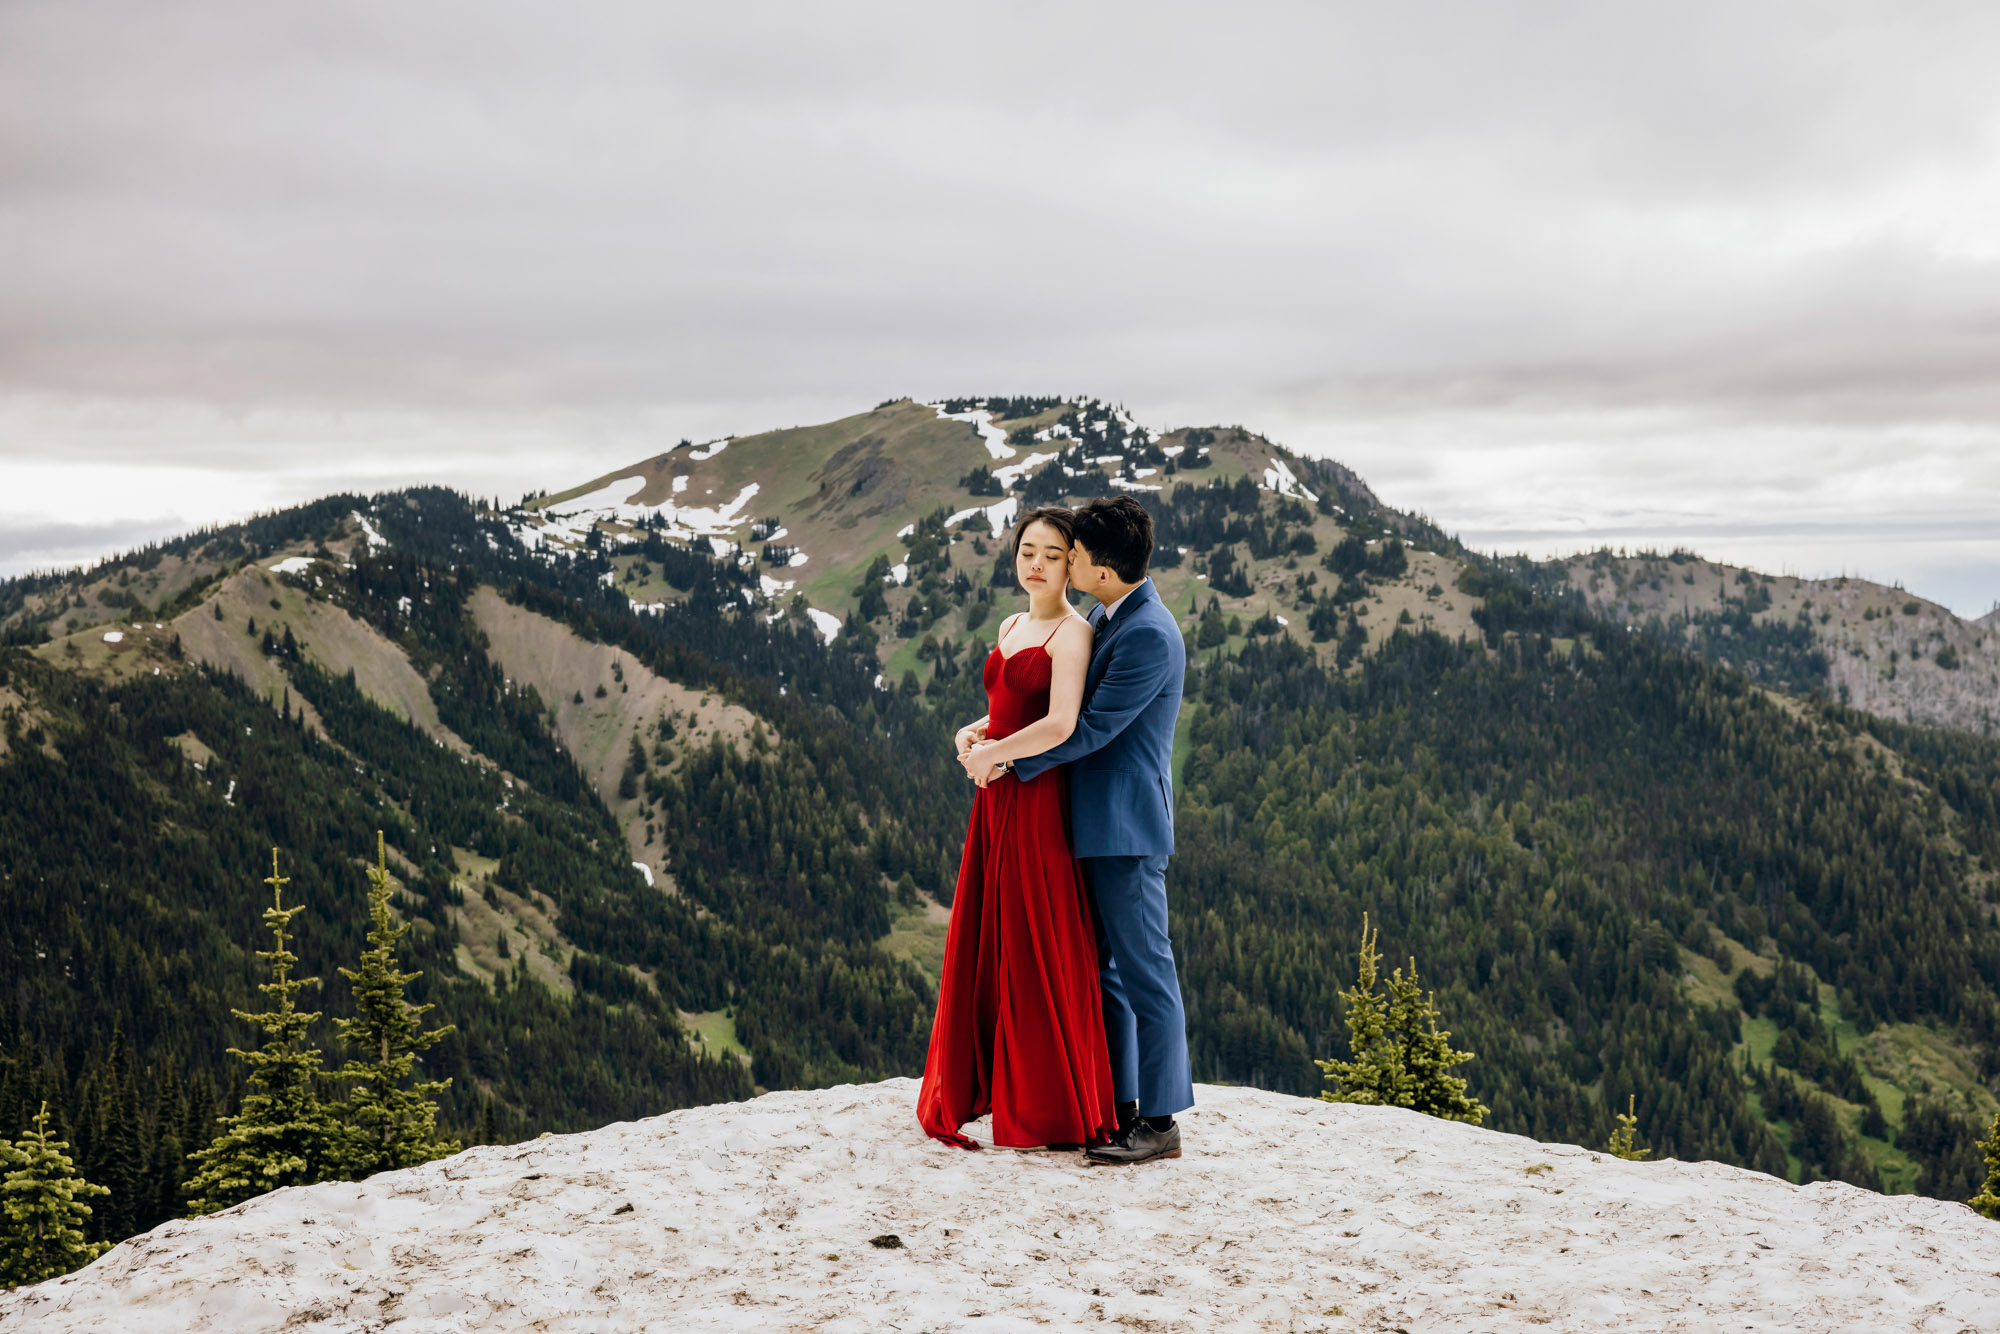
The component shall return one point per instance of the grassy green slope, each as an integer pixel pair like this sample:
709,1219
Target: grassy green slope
842,492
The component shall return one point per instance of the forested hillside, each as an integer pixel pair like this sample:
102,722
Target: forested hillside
1629,867
136,816
1567,837
1876,647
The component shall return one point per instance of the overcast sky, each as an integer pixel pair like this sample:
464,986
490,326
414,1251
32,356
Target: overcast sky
1557,274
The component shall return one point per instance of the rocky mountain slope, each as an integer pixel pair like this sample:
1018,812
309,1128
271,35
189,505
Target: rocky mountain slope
1875,647
830,1211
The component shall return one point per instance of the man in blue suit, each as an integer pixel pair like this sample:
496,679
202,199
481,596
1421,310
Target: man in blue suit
1121,796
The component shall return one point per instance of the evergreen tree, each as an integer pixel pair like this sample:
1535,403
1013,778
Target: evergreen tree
1401,1057
1353,640
41,1235
1371,1077
389,1125
116,1160
1212,630
635,769
1987,1201
198,1122
166,1164
1621,1145
284,1135
1427,1054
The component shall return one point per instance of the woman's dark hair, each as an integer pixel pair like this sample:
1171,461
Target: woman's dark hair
1059,517
1117,533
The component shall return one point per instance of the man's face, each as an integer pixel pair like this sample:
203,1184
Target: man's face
1085,574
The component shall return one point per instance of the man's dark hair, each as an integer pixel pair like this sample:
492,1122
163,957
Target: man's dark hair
1117,533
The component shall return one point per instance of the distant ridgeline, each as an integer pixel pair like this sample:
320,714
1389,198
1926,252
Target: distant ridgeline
1627,868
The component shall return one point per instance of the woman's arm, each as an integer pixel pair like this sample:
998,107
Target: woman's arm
975,731
971,733
1069,653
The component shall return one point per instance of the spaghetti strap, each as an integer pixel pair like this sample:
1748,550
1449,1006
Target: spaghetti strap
1058,630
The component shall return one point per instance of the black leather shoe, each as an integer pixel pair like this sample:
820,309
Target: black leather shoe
1139,1144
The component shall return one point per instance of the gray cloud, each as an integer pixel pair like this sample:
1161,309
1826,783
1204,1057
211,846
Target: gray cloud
261,238
32,542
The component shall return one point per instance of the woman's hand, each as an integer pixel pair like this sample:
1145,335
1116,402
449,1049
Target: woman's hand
968,737
978,767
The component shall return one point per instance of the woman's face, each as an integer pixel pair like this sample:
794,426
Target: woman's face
1042,561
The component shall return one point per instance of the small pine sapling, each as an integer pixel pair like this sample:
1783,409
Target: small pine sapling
389,1125
284,1135
1622,1139
1401,1057
42,1199
1371,1077
1987,1201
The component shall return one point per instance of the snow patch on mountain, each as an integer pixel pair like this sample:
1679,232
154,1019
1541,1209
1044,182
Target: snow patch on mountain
607,498
1006,476
291,565
568,522
374,535
825,622
998,515
1279,478
829,1210
981,421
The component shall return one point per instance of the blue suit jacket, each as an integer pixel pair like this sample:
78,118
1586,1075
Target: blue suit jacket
1120,757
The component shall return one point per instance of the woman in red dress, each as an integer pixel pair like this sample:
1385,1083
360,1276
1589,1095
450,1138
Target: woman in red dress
1019,1029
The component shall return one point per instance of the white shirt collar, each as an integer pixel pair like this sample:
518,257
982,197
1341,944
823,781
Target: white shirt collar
1111,608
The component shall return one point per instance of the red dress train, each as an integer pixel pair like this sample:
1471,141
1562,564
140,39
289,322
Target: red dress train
1020,1024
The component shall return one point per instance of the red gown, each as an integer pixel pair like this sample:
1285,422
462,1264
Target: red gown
1020,1023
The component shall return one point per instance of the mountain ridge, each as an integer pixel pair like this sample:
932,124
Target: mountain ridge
1473,750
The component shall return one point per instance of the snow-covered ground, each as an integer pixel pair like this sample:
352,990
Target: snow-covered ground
981,421
1030,464
998,515
825,622
830,1211
1279,478
373,534
568,522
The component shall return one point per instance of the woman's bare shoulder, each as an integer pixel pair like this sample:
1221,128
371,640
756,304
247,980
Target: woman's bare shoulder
1065,634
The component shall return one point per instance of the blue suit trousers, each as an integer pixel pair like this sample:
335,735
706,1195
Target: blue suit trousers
1144,1025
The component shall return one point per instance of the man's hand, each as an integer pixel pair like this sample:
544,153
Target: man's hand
968,737
978,768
